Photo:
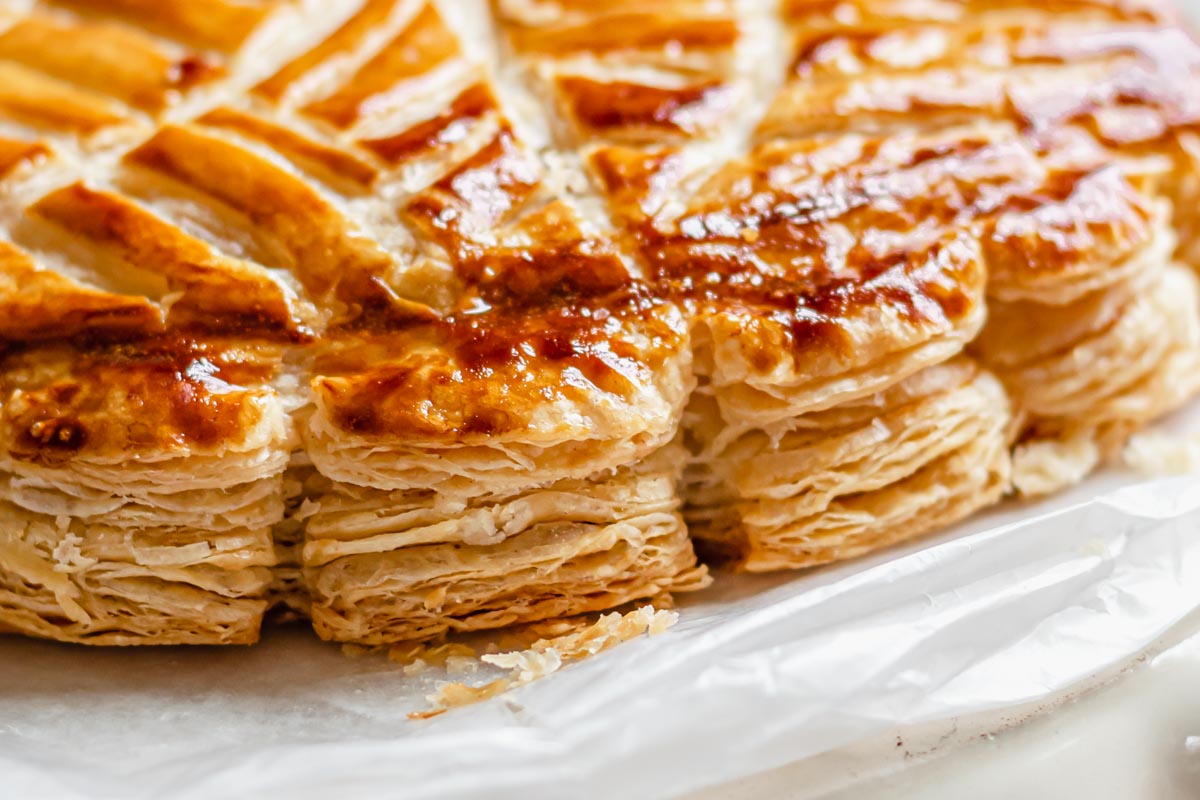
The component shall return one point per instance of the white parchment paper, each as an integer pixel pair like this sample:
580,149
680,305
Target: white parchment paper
1021,604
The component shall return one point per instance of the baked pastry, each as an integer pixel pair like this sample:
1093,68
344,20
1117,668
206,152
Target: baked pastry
289,342
1090,326
385,566
832,484
420,317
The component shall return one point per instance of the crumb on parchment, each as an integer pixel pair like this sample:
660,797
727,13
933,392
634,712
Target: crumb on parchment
357,650
1157,453
420,656
547,655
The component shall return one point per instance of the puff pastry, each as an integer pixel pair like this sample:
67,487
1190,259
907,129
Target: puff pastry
422,317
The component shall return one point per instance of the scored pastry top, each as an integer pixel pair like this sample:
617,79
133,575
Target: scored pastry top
528,226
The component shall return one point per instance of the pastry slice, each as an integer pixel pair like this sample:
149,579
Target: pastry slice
407,565
1092,327
139,487
834,484
550,377
832,287
421,319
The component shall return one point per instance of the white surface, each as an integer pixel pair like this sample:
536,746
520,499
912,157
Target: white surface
1137,737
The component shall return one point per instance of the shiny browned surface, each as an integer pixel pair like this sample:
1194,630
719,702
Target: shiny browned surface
14,152
821,12
315,243
153,396
802,257
467,379
109,59
600,108
216,292
346,39
476,295
864,222
330,164
440,131
34,98
455,259
483,191
685,48
40,305
614,29
1104,65
70,75
425,42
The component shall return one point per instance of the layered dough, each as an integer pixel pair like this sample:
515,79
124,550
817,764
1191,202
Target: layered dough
452,336
386,566
1092,325
77,581
1127,361
837,483
127,519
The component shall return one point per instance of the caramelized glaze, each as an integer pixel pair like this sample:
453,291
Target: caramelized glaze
377,86
815,240
343,41
214,289
629,30
38,304
620,107
331,164
36,99
157,394
440,131
325,252
472,375
1073,66
14,153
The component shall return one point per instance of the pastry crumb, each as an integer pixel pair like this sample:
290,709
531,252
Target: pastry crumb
1157,454
527,665
415,667
547,655
461,665
1042,467
434,656
69,557
356,650
453,695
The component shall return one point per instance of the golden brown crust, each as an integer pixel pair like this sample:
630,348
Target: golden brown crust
40,305
1038,64
424,44
111,59
152,399
15,152
34,98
